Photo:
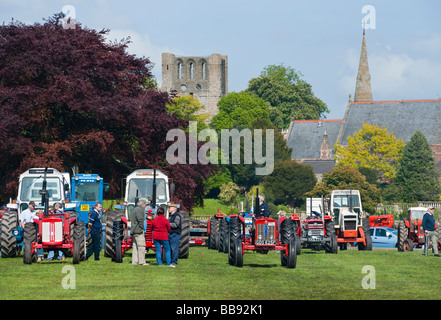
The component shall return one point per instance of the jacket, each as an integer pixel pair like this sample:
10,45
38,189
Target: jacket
175,223
95,221
428,222
263,210
161,228
137,217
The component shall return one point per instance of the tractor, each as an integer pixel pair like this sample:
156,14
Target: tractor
317,231
350,224
30,186
56,231
150,184
384,220
410,230
266,234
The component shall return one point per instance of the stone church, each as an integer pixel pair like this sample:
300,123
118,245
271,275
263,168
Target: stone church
312,141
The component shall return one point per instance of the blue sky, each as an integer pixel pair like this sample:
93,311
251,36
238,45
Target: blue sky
319,38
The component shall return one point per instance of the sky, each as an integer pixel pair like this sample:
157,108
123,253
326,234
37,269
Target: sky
319,38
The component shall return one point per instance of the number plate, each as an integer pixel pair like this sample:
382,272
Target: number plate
84,207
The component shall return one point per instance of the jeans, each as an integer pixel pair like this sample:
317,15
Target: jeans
96,246
166,246
51,254
174,244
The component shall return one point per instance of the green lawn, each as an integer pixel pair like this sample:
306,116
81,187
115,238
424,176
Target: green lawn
206,275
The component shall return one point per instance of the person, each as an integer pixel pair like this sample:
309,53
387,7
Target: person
429,229
95,229
161,228
27,216
57,210
263,208
137,217
174,233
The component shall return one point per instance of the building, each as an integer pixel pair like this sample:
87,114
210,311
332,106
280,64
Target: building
312,141
206,78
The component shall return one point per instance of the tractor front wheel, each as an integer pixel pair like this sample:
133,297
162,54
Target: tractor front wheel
30,236
238,252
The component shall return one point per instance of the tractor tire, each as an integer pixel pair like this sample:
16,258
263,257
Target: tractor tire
29,237
438,236
288,258
238,253
288,229
79,242
214,234
233,234
367,235
111,216
184,238
118,236
72,214
8,242
402,236
223,234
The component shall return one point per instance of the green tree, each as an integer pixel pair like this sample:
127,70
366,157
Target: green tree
214,183
417,176
229,193
238,110
289,97
345,178
188,108
289,182
373,148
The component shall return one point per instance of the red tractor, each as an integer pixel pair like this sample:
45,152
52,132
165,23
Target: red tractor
318,233
410,230
57,231
385,220
266,234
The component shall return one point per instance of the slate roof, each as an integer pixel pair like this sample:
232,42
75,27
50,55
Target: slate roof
306,137
402,118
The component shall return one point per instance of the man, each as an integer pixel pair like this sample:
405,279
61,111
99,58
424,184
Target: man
429,230
137,217
27,216
175,231
95,229
263,211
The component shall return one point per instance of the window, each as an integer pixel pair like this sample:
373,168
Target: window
179,70
203,70
191,70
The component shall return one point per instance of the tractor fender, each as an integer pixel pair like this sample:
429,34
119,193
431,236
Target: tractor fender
124,220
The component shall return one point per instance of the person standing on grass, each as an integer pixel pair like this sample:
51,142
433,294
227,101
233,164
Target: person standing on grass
429,229
95,230
27,216
137,217
161,228
174,233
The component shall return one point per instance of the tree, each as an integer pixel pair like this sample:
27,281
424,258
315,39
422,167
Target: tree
188,108
289,182
373,148
417,176
345,178
288,95
229,193
238,110
68,98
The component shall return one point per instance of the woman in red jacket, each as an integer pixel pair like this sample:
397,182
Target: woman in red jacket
161,227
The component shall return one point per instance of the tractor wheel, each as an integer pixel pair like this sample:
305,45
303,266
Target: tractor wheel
117,241
30,236
238,252
8,242
367,235
184,238
111,217
72,214
233,234
408,245
292,255
223,234
213,240
79,242
438,236
402,236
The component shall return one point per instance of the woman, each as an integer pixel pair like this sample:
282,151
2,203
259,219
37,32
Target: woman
161,227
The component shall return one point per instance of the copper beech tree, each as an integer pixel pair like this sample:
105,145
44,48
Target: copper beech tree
69,98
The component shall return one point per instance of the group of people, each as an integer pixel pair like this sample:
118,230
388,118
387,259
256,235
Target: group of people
166,234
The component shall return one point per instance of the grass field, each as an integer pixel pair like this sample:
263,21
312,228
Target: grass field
206,275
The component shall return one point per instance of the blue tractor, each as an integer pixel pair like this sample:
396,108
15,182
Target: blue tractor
87,189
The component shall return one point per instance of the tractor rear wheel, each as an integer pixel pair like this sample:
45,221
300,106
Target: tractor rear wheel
30,236
233,234
402,236
79,242
214,234
223,234
117,241
184,238
367,235
8,242
111,217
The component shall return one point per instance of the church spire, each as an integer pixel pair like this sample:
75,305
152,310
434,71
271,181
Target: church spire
363,91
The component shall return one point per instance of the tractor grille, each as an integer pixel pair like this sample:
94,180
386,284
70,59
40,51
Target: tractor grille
315,224
266,234
315,232
350,225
